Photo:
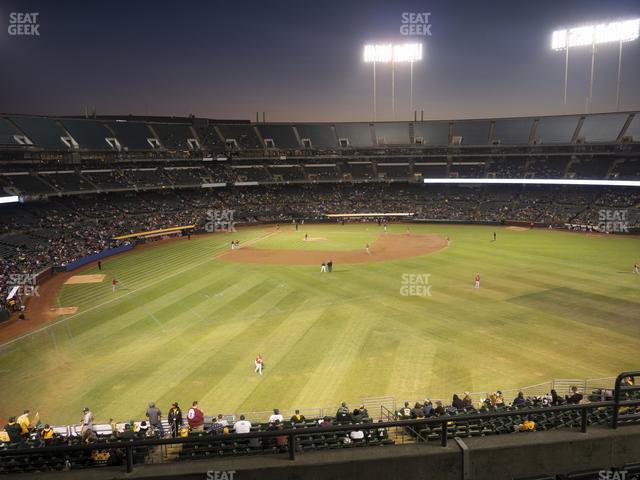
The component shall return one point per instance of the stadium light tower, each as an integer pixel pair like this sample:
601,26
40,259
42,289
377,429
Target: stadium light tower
591,35
390,53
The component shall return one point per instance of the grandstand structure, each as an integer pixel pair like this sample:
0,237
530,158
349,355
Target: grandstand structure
104,178
572,146
46,157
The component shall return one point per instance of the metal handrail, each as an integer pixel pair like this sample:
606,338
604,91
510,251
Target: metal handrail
618,389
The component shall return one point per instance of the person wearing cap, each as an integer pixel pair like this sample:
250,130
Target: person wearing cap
47,434
175,419
14,431
87,421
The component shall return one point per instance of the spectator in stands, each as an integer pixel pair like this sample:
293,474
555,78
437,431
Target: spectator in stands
217,428
221,420
87,420
155,418
467,401
25,424
356,416
627,382
13,431
427,408
343,414
297,418
143,429
555,398
499,402
439,410
127,433
242,426
47,434
405,412
175,419
326,422
575,397
457,403
276,416
89,436
519,401
417,410
281,440
527,426
195,418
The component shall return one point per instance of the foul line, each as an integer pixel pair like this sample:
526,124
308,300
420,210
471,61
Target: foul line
178,272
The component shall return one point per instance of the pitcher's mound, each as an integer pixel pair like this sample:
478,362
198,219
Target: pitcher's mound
391,246
84,279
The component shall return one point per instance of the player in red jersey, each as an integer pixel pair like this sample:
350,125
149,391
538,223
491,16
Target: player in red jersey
477,280
259,364
114,283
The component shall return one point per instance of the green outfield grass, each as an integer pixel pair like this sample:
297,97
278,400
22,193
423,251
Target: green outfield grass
187,326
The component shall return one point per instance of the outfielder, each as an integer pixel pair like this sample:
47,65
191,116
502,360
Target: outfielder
478,281
258,363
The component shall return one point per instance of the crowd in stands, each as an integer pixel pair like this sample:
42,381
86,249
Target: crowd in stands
55,232
28,430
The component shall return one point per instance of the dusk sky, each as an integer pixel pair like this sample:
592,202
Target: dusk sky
302,61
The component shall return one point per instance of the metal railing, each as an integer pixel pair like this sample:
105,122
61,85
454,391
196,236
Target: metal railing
621,399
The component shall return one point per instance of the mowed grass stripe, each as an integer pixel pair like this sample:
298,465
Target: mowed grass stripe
551,305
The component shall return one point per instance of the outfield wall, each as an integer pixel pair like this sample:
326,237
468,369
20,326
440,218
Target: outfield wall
97,256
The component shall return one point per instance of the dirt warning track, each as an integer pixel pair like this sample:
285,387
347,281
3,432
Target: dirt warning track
389,246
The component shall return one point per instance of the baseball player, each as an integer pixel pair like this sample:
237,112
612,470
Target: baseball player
636,268
323,267
259,364
114,283
366,249
478,281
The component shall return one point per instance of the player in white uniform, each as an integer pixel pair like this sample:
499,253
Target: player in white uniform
258,363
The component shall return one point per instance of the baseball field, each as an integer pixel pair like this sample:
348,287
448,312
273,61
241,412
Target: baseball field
188,318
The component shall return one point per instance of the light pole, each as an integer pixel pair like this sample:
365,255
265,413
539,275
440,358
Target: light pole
619,76
375,112
411,88
393,90
592,35
390,53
